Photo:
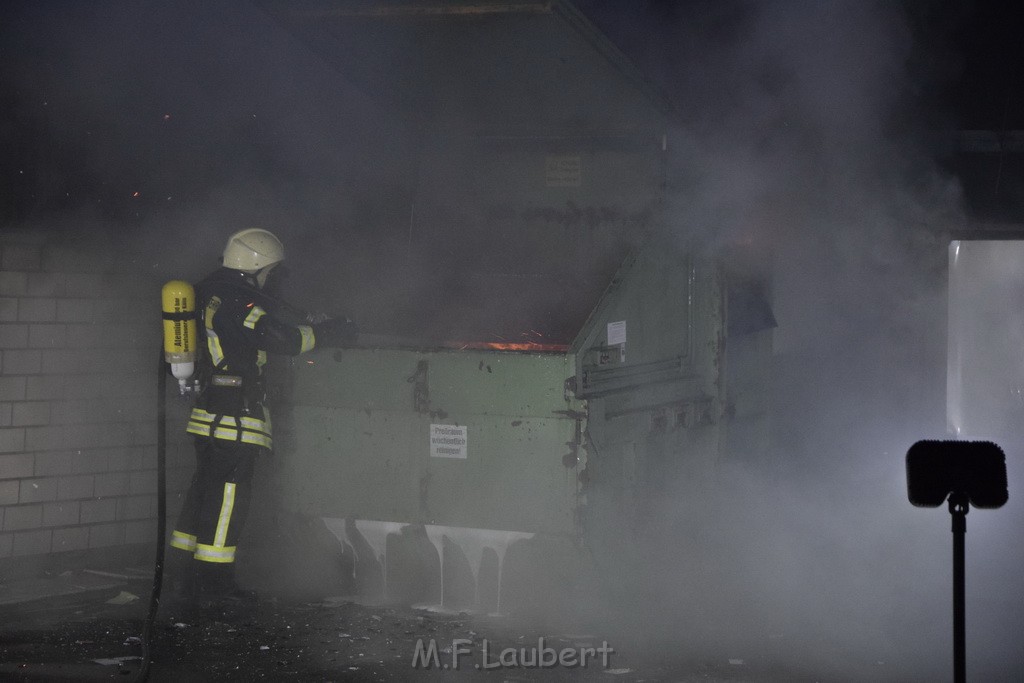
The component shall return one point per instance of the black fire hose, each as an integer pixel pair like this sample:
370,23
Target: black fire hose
161,515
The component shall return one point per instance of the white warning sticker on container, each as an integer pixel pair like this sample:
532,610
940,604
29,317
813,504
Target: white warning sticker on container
617,333
448,441
563,170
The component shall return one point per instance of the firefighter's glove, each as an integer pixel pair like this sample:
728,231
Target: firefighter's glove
338,331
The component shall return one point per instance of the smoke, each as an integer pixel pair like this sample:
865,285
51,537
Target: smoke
807,135
180,124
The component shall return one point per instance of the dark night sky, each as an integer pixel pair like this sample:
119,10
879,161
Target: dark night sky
178,101
987,42
969,54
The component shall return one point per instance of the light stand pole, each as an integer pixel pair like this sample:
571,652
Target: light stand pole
958,508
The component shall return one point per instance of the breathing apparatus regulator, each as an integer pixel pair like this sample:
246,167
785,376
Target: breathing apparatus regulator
179,314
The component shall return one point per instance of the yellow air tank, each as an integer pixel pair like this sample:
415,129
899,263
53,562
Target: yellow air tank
179,311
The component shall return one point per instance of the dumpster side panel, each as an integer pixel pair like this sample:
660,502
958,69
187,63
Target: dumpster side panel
650,365
360,439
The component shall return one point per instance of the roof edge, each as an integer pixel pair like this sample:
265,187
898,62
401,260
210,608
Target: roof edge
607,49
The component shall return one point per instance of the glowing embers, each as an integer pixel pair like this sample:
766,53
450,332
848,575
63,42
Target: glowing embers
511,346
529,341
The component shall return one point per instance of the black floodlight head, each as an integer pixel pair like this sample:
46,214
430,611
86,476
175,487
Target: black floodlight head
977,469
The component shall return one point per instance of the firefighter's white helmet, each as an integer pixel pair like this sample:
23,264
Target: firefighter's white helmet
252,250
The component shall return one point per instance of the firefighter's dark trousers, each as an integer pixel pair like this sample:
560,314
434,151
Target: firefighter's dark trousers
215,509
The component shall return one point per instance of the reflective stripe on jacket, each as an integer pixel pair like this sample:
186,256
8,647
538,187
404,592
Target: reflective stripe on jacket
253,430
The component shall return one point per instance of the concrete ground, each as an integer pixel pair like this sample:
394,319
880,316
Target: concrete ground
86,625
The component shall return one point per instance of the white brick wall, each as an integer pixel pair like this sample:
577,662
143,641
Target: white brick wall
78,349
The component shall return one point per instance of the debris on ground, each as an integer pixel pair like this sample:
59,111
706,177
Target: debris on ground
332,639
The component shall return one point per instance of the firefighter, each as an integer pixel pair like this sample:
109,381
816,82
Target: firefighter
239,325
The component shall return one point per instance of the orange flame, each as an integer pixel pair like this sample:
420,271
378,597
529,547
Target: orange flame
511,346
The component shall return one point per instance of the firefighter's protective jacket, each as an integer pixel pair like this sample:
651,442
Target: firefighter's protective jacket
240,329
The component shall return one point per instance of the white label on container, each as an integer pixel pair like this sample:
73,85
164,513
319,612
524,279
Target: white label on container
617,333
563,170
448,441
